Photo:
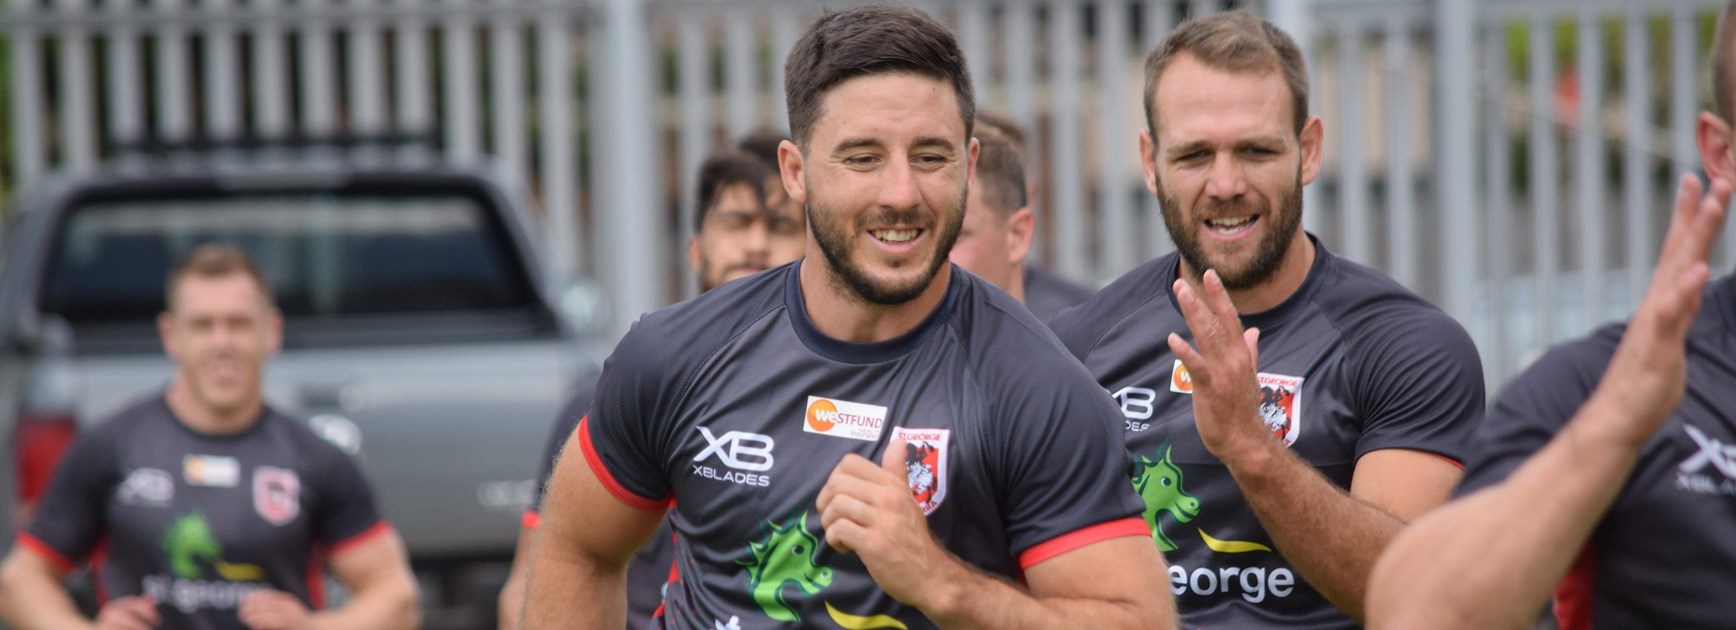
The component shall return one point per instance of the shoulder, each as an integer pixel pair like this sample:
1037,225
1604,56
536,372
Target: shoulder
1008,348
1378,316
1080,327
1567,373
145,416
314,451
702,324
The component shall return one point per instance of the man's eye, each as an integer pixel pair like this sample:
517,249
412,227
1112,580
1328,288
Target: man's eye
861,160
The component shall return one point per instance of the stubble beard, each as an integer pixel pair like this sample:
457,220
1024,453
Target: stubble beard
838,246
1268,252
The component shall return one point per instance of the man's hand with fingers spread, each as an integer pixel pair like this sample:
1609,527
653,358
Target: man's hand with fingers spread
868,510
128,613
1226,397
1646,377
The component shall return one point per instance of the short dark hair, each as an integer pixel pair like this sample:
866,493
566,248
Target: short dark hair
724,170
215,260
865,41
1008,127
762,143
1000,170
1235,41
1722,82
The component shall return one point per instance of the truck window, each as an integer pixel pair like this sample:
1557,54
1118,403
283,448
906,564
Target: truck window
326,255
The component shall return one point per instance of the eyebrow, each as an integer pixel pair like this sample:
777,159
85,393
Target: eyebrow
932,142
1264,142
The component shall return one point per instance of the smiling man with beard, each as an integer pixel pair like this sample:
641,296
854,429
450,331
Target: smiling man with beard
1290,454
866,438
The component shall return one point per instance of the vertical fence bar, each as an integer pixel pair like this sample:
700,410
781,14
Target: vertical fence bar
1683,46
1499,225
598,235
1589,164
415,113
222,102
506,81
1401,221
1159,19
30,154
692,46
319,111
126,121
741,78
458,41
637,267
1544,195
560,173
77,90
174,111
973,36
1115,218
1457,20
366,76
270,66
1018,32
1637,160
1069,205
785,30
1353,215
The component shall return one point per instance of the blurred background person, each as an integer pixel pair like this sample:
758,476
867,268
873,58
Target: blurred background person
203,507
1041,290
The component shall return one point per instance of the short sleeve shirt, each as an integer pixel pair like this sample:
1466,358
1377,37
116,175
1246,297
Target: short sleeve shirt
735,408
1047,294
198,521
1664,555
1349,364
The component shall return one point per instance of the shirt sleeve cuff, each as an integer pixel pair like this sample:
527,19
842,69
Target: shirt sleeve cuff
378,529
1081,537
602,472
47,551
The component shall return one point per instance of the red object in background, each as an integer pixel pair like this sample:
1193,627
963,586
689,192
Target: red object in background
42,440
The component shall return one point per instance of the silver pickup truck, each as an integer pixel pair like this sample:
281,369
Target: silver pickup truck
422,335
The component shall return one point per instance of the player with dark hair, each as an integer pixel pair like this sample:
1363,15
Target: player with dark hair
867,437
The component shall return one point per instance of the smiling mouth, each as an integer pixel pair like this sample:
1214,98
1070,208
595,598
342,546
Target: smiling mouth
1231,226
895,236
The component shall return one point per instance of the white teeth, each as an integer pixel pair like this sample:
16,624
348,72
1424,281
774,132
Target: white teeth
1230,222
894,236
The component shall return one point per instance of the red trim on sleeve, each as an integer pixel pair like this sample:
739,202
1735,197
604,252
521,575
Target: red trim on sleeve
614,487
1573,595
346,544
530,520
316,581
1456,463
1081,537
47,552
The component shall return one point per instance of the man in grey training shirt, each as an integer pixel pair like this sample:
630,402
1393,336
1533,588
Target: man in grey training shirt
868,437
1270,487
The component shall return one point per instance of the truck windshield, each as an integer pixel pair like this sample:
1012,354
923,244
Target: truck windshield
326,255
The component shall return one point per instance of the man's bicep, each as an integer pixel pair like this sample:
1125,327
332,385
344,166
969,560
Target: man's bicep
588,514
1125,569
1404,483
370,560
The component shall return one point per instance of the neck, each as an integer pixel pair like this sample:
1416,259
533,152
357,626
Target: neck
201,418
1016,284
839,313
1266,295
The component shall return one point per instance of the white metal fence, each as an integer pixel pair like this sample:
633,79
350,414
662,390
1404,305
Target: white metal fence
1515,177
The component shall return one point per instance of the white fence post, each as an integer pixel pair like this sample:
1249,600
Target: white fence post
1457,186
635,215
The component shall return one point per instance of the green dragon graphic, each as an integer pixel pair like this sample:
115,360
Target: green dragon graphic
189,539
786,556
1159,484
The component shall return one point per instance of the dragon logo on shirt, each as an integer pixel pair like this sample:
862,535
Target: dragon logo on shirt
1158,483
189,540
787,556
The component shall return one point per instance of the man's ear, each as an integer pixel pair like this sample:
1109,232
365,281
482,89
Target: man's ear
790,169
1148,160
273,330
1312,133
1021,227
166,332
1713,135
693,253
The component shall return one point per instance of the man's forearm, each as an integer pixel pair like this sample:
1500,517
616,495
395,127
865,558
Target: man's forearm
38,603
1331,537
971,600
1474,564
511,603
570,591
383,606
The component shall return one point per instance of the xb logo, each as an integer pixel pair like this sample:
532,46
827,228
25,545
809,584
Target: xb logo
1712,451
738,449
1136,402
